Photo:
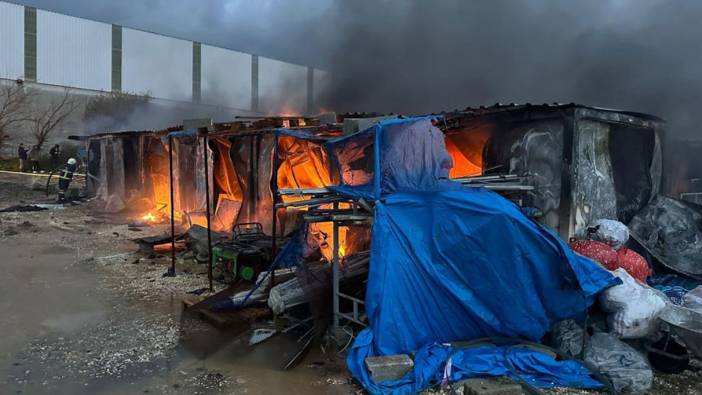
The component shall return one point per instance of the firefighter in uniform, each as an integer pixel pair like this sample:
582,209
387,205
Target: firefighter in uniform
65,178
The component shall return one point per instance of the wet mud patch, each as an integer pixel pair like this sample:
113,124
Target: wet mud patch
113,348
57,250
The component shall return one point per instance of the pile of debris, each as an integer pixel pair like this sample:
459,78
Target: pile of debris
411,235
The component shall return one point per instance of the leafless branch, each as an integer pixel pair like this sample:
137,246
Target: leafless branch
15,108
52,117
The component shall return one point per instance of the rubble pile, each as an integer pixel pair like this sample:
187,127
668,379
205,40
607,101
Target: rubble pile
436,240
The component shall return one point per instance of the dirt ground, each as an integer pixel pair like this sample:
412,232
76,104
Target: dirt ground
84,313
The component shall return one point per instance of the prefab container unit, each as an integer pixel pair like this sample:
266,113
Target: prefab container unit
584,163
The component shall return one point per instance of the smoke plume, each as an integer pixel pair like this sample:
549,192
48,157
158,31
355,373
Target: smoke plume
415,56
419,57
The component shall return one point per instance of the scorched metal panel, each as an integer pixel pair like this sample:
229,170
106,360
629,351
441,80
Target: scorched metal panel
226,77
159,65
73,52
282,87
11,41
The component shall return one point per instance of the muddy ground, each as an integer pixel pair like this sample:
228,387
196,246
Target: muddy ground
82,312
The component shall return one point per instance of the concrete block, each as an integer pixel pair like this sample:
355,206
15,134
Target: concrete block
491,386
389,367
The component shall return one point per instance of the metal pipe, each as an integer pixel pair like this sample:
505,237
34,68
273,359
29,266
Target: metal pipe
207,205
335,271
170,184
274,188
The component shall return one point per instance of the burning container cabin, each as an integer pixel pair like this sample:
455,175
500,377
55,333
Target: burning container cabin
571,163
575,164
131,172
579,163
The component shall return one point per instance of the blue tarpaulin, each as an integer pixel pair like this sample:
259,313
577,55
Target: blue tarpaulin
464,264
516,362
395,155
453,264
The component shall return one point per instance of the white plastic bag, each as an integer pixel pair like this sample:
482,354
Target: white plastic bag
693,299
633,307
624,366
611,232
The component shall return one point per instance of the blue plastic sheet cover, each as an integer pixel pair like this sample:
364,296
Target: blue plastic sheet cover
397,154
293,253
464,264
516,362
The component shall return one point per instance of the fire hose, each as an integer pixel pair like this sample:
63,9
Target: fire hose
48,181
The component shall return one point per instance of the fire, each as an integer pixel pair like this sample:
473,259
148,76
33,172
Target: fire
466,151
149,217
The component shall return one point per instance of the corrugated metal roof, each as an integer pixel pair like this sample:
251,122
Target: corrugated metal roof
500,107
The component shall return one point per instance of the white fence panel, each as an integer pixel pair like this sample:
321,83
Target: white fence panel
159,65
11,41
226,77
73,52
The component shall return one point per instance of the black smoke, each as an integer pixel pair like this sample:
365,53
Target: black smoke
416,56
422,56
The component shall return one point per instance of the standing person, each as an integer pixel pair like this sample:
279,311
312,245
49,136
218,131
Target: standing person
34,155
55,156
22,155
65,178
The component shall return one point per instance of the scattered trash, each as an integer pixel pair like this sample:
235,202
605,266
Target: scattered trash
23,208
622,364
295,360
686,324
633,263
568,337
668,356
671,230
674,286
598,251
693,299
675,294
261,334
633,307
106,260
612,259
198,291
612,232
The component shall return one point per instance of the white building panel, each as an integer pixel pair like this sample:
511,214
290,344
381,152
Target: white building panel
282,87
226,77
159,65
11,41
322,84
73,52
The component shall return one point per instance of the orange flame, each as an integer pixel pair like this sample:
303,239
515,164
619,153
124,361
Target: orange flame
149,217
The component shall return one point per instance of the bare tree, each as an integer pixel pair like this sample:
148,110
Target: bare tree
113,110
15,109
52,117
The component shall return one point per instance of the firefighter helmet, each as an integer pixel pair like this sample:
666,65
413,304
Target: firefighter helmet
71,161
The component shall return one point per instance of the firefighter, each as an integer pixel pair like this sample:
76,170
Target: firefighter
54,155
22,155
65,178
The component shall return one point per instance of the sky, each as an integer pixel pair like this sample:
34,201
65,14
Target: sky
415,56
